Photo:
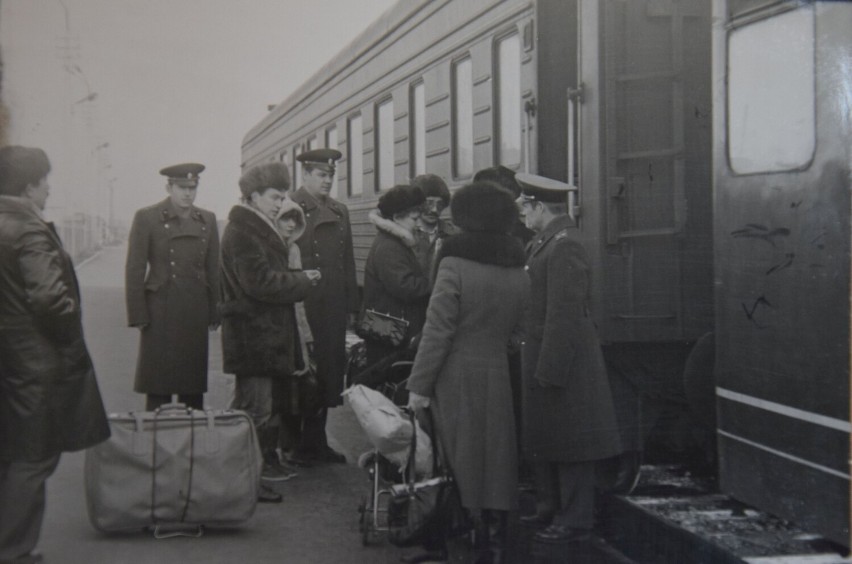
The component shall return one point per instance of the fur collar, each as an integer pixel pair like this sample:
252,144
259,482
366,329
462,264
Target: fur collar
392,228
488,248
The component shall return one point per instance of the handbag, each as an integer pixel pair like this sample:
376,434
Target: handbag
418,510
306,397
382,327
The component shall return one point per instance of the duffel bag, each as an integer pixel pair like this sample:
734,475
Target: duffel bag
174,467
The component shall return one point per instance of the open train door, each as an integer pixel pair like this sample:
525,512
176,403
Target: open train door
637,119
782,240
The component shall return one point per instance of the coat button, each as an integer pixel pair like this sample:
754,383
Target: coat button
173,263
167,226
171,250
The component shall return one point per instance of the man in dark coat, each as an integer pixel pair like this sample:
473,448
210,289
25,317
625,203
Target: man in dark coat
49,397
568,416
327,246
172,291
260,342
432,229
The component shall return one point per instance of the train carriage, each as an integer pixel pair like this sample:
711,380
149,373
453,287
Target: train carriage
781,168
629,102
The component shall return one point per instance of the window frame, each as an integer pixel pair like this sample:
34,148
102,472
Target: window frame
454,117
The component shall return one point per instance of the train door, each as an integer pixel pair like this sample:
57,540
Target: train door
782,240
642,125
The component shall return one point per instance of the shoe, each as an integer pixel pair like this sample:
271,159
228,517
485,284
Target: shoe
560,534
428,556
537,519
268,495
297,458
274,471
329,455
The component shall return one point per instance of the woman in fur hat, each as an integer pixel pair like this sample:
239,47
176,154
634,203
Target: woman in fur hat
394,280
461,369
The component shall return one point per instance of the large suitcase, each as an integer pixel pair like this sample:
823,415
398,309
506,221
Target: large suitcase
173,469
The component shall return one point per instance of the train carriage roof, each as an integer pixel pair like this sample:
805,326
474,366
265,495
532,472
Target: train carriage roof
386,24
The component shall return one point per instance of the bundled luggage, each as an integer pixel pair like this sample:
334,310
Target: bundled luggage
174,469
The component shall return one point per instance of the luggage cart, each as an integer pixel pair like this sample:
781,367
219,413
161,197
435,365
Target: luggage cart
383,474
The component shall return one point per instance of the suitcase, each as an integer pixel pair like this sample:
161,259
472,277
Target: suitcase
172,470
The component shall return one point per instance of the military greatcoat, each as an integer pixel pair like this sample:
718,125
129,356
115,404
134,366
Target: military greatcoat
327,245
172,286
568,413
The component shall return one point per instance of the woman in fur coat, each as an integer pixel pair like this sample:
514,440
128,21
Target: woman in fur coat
461,370
394,280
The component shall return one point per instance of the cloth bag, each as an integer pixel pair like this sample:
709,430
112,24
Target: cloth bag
423,509
382,327
389,430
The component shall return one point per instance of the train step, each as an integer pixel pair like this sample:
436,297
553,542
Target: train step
673,517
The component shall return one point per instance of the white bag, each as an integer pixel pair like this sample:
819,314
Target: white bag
389,429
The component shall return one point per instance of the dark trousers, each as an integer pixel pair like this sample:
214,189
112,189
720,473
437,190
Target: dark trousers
567,489
153,401
22,502
314,439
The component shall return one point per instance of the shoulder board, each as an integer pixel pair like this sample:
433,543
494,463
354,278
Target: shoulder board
561,235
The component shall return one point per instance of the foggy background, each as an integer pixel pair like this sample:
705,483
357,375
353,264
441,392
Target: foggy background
114,90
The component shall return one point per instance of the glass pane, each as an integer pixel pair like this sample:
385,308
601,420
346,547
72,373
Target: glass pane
297,169
509,100
418,137
356,156
463,118
331,143
771,120
312,143
384,150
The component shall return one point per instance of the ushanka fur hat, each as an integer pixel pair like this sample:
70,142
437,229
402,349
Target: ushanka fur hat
399,199
484,207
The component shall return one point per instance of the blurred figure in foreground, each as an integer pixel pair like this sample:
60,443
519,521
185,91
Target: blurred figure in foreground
49,397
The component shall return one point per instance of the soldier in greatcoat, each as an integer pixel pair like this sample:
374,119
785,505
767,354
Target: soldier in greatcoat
326,245
172,290
568,415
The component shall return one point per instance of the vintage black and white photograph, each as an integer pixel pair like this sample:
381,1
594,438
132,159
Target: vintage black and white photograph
468,281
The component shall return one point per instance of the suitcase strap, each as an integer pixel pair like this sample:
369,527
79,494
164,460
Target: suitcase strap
157,533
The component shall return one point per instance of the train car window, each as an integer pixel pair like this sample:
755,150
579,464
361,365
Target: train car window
355,158
331,143
418,128
508,98
384,144
296,176
462,118
312,143
771,93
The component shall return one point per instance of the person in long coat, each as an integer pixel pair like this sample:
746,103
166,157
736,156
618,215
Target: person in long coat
395,281
568,415
260,340
172,291
49,397
461,370
327,246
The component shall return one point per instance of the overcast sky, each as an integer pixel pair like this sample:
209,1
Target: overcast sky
114,90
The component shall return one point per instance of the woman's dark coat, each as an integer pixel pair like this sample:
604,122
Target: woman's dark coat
480,295
394,282
568,413
259,336
327,245
49,397
172,286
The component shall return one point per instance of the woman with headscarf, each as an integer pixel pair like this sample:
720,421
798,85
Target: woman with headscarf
461,370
